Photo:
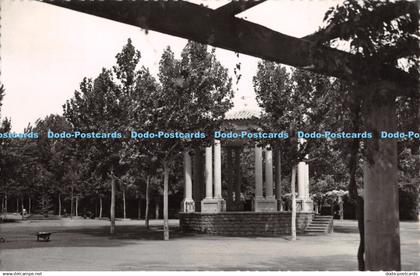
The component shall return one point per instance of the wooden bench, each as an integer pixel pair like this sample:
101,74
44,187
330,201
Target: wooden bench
43,235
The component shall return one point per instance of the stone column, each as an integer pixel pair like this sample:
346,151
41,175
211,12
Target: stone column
306,194
217,170
229,169
198,178
301,178
212,204
270,203
304,199
258,173
208,173
268,173
263,204
188,204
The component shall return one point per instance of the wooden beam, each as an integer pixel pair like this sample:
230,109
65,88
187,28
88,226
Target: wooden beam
235,7
201,24
376,18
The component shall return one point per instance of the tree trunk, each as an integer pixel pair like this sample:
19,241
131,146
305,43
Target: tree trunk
293,188
354,197
381,212
22,207
17,205
29,205
146,213
361,226
77,206
71,202
157,209
100,206
59,205
341,204
165,201
124,205
139,208
112,211
96,210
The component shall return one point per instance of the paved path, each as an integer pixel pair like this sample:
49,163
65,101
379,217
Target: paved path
86,245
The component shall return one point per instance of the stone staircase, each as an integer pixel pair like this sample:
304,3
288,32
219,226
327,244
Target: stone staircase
320,225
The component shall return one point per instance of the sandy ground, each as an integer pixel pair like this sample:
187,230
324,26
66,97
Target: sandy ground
86,245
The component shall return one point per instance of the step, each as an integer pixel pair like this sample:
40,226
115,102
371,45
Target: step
318,231
319,225
316,228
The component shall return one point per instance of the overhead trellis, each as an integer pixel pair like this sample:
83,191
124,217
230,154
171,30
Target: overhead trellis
220,28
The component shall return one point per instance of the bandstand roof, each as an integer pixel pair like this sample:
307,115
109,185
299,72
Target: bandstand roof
242,114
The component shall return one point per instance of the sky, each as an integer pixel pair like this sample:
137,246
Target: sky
46,50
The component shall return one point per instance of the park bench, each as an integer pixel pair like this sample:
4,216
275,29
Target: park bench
43,235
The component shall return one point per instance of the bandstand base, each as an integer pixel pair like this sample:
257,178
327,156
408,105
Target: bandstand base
265,205
213,205
244,223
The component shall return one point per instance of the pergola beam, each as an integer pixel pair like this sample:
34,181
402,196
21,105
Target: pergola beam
375,18
204,25
235,7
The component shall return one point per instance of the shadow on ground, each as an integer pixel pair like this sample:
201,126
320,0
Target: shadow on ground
128,232
98,236
346,229
87,236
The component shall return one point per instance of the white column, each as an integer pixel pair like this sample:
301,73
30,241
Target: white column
303,187
187,176
230,179
306,194
268,172
209,172
258,172
188,204
301,179
217,170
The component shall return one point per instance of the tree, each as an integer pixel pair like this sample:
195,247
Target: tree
374,35
296,100
6,158
54,153
97,108
193,95
103,106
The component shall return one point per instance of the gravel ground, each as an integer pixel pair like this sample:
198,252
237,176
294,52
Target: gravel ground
80,244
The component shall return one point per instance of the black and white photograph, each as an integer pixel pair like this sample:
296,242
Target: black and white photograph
209,136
